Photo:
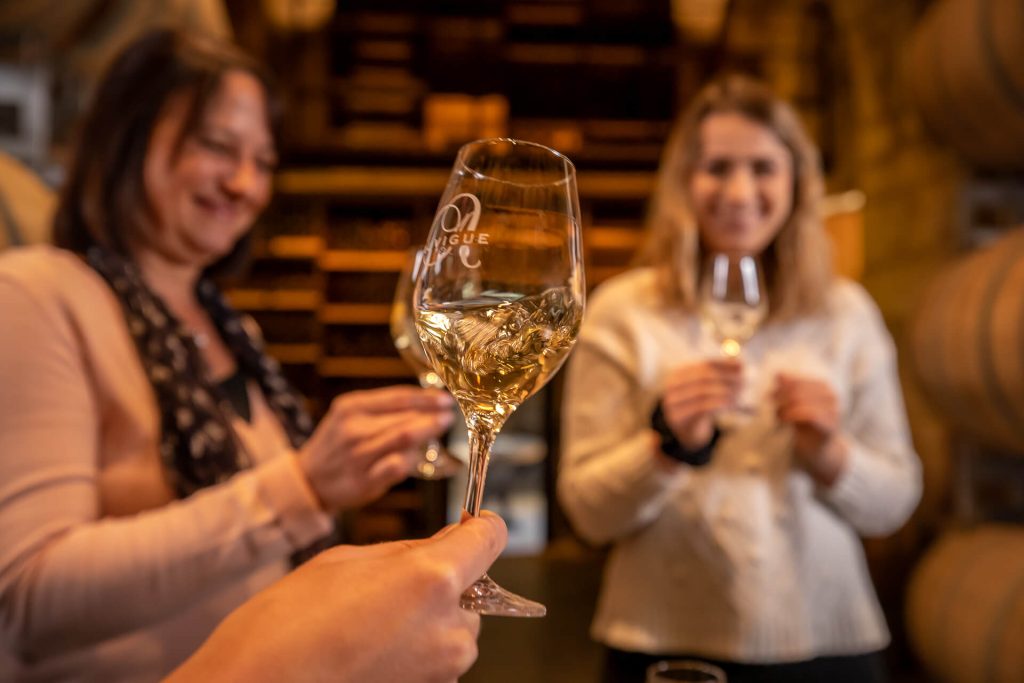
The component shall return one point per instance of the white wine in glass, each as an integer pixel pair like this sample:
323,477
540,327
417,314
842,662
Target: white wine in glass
733,299
734,302
499,300
435,462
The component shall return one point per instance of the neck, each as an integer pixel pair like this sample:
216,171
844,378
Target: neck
175,283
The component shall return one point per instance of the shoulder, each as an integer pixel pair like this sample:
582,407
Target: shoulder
633,291
29,202
621,315
855,317
44,273
41,263
849,300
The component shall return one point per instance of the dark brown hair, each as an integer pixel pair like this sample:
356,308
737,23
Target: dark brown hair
798,262
104,200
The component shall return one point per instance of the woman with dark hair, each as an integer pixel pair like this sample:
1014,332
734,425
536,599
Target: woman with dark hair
732,488
156,469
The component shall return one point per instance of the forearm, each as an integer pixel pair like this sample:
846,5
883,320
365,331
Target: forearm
612,493
612,478
880,482
101,578
827,465
877,490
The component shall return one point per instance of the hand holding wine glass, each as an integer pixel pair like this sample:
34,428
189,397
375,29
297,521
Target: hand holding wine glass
499,299
695,393
435,462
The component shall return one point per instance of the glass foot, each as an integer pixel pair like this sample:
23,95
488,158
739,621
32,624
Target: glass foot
487,597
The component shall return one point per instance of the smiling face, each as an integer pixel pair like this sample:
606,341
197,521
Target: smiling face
742,186
206,189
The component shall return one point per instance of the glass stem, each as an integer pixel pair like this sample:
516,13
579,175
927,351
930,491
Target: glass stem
481,438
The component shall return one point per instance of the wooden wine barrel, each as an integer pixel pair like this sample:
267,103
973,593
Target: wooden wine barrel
965,607
967,343
965,72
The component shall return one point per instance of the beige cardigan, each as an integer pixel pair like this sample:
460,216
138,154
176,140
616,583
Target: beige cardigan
103,574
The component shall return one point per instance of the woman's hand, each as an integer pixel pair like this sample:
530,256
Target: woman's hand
812,408
374,614
694,393
366,443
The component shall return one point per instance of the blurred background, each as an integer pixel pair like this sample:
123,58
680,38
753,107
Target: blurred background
917,106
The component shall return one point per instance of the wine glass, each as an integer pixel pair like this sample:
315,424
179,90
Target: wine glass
733,299
499,300
684,670
734,302
435,462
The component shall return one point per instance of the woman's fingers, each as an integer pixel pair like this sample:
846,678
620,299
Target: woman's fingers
726,372
684,406
468,549
678,400
803,391
359,449
387,471
809,415
392,399
806,402
372,436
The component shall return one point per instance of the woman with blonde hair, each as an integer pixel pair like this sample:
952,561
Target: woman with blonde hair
732,487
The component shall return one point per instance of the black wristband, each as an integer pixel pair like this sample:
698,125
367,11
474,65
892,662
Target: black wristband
673,448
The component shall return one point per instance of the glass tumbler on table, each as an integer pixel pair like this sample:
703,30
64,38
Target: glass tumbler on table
684,670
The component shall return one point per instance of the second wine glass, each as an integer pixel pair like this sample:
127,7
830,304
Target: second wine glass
734,303
435,461
733,299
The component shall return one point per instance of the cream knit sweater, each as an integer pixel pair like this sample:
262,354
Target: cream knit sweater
745,559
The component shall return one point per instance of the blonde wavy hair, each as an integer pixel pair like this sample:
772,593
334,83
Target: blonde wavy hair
797,263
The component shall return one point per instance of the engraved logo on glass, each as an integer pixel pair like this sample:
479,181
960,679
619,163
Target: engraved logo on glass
458,221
